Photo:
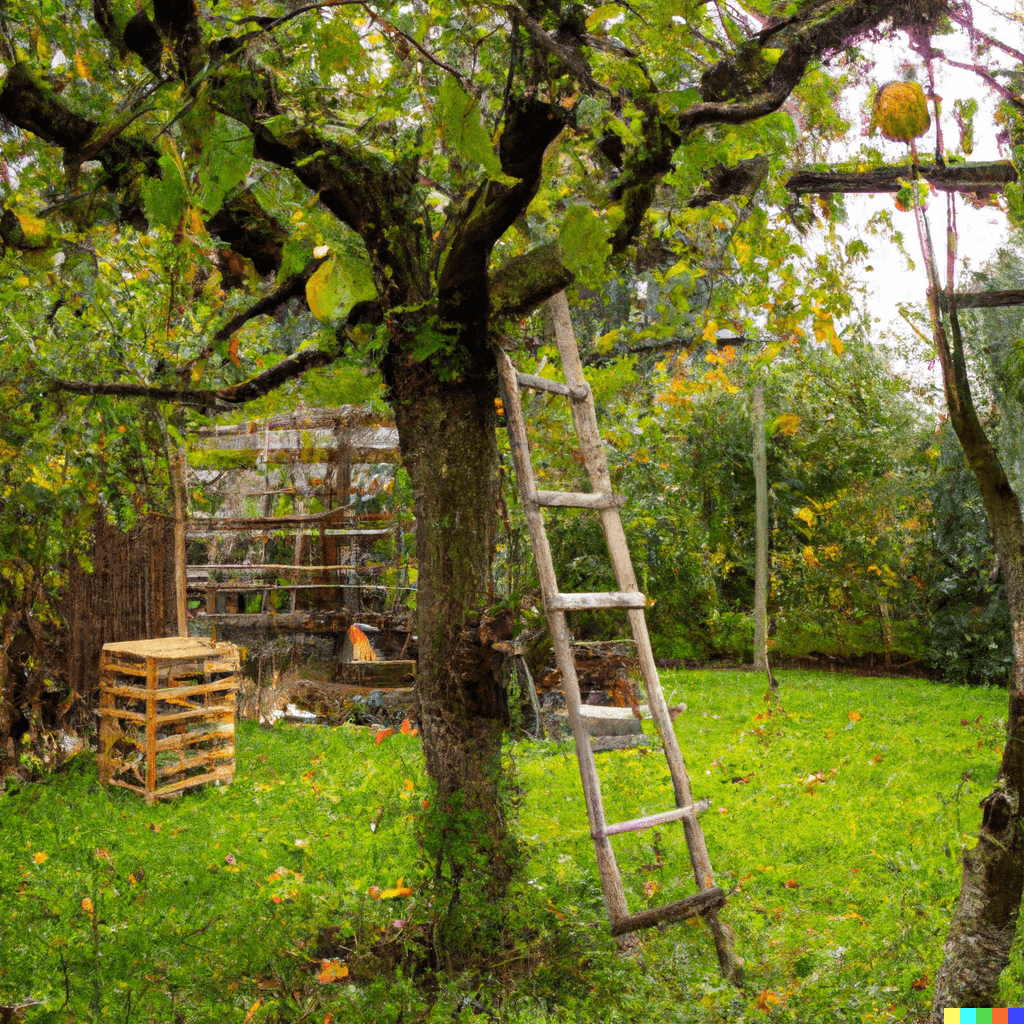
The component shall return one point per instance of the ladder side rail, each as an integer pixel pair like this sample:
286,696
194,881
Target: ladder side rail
611,881
585,420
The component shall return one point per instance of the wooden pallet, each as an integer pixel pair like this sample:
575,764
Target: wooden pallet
167,714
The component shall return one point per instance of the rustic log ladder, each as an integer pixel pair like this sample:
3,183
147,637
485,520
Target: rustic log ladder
709,898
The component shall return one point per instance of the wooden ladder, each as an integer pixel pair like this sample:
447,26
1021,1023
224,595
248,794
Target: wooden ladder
709,898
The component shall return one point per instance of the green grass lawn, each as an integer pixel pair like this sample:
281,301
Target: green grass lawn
285,896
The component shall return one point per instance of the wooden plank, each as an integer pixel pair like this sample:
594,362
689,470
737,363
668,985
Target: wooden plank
976,177
591,602
375,673
650,820
185,739
179,716
700,904
984,300
529,380
197,761
223,774
172,692
602,744
151,679
579,499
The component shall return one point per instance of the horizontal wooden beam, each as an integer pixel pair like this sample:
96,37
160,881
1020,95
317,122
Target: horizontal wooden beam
983,178
985,300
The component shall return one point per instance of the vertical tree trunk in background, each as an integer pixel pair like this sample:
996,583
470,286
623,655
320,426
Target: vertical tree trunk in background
981,933
449,449
761,534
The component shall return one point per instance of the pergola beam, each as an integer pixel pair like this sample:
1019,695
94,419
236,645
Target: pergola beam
982,178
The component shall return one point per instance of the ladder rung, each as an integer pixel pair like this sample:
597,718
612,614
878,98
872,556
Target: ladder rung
602,744
528,380
590,602
700,903
579,499
650,820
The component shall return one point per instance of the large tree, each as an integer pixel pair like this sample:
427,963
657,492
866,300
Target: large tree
458,164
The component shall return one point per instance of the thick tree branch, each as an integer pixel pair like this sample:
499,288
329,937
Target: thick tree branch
520,285
983,178
293,287
288,369
206,400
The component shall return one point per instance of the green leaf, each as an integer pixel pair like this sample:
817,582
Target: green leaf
461,127
227,157
166,197
337,285
584,239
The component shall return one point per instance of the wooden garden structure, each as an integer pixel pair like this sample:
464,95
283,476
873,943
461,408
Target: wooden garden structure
167,714
300,536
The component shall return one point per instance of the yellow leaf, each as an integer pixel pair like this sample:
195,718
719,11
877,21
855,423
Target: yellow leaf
332,970
855,716
787,424
40,858
409,785
710,332
87,905
80,67
837,345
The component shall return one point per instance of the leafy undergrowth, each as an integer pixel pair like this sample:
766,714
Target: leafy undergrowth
298,893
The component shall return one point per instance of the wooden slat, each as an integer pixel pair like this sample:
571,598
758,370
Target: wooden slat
649,820
224,774
181,740
172,692
535,383
602,744
590,602
579,499
701,903
183,716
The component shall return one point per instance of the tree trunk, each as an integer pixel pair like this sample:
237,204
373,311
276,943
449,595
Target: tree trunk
981,933
761,534
447,436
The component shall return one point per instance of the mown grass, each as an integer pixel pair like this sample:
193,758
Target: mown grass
840,834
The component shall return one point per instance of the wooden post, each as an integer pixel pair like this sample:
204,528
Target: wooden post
761,533
180,578
152,673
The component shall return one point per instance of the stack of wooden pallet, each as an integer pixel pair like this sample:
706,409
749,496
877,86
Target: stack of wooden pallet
167,714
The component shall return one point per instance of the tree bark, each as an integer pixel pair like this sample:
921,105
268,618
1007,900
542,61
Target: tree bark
977,948
449,449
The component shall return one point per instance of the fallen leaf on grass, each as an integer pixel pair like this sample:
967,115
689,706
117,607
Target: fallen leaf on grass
383,735
791,884
921,984
87,905
855,716
40,857
650,888
767,999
